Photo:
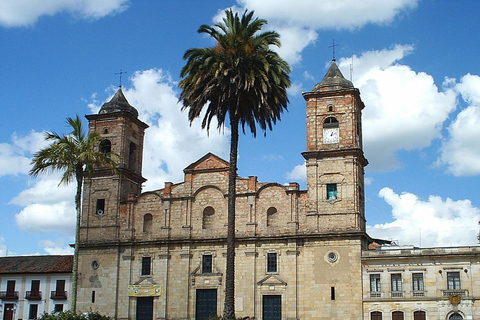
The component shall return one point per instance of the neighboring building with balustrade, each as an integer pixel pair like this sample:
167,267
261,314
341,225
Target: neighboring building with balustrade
421,283
32,285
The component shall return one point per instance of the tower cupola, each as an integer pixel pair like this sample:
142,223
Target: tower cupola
118,104
333,80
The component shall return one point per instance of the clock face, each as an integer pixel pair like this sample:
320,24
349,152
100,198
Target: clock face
330,135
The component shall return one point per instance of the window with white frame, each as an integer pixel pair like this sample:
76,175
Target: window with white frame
417,281
453,280
396,280
375,283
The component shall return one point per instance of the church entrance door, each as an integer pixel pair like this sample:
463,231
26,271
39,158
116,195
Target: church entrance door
144,308
272,307
206,303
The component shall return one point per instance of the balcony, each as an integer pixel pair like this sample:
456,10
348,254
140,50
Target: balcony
418,294
33,295
459,292
9,295
58,295
375,294
396,294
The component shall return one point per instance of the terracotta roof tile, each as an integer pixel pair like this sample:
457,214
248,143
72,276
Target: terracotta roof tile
36,264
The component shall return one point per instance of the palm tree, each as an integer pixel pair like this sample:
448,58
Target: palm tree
243,78
73,154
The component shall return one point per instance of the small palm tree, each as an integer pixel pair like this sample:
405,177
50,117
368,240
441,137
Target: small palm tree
72,154
242,78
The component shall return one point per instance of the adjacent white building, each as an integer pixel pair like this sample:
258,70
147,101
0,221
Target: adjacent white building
32,285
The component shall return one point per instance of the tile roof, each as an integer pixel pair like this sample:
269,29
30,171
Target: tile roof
36,264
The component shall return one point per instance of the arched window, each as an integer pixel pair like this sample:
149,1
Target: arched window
208,218
455,316
397,315
132,156
419,315
376,315
330,122
272,216
331,132
147,222
105,146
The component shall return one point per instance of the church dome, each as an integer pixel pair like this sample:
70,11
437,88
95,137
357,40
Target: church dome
333,80
118,104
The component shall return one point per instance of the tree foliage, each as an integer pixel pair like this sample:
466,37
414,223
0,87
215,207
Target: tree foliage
242,79
70,315
72,154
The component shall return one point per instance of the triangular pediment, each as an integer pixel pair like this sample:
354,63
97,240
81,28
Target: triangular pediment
145,281
208,162
272,280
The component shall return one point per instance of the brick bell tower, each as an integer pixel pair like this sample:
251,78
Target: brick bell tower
334,157
122,133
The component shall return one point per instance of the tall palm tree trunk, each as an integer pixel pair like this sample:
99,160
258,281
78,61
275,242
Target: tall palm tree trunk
78,199
229,306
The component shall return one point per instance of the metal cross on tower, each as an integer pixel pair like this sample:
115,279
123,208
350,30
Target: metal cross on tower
120,73
333,49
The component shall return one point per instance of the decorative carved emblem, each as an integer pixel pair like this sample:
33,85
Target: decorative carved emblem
455,299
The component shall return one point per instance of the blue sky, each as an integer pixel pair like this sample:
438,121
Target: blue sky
415,63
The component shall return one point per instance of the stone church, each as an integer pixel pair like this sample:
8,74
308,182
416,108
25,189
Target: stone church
300,254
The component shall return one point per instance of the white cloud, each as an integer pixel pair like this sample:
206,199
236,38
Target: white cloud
368,181
3,248
432,223
45,190
296,21
461,152
171,144
329,14
404,109
14,158
299,173
294,39
57,247
41,218
17,13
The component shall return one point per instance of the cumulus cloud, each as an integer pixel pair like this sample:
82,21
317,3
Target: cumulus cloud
171,143
17,13
405,109
298,173
428,223
42,218
460,152
56,247
14,156
329,14
297,21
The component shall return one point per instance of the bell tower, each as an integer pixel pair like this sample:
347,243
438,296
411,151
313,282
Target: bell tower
122,134
334,157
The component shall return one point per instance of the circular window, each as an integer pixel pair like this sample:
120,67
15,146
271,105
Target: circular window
332,257
95,265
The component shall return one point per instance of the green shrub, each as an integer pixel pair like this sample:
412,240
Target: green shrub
69,315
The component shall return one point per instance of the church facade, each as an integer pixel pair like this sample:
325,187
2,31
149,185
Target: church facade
300,254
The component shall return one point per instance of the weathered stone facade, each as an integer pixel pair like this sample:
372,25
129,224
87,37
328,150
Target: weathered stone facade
161,254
